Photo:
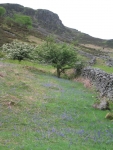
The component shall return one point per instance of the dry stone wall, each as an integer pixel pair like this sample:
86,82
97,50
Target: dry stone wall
102,81
109,62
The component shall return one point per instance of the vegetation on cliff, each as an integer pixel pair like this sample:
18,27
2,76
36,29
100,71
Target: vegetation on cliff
2,11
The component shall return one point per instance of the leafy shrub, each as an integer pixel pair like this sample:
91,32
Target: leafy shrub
60,55
2,54
78,67
18,50
75,42
2,11
9,19
23,20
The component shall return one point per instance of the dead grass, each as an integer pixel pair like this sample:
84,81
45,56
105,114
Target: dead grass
35,40
106,49
70,73
87,83
1,75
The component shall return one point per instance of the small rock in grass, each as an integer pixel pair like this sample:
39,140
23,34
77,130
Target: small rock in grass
1,75
11,103
109,116
103,105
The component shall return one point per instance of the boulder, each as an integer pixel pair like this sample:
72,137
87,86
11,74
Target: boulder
109,116
103,105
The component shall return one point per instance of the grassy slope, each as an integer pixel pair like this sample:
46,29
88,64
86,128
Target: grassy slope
104,68
100,62
48,113
9,30
102,65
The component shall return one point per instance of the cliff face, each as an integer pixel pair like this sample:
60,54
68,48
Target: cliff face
50,20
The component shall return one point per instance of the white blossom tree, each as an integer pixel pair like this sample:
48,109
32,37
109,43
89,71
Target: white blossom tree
18,50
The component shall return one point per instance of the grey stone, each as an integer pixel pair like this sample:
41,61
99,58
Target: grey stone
103,105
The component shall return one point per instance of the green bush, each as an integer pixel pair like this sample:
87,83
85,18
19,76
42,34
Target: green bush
2,11
75,42
23,20
60,55
2,55
18,50
9,19
78,67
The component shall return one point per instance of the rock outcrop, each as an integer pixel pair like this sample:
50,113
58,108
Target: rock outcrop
50,21
109,62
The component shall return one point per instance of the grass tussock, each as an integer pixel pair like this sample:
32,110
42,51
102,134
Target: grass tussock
86,82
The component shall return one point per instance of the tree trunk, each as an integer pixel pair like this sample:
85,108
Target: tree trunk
58,72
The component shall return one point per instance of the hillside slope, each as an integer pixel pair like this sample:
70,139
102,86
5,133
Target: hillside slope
46,22
9,30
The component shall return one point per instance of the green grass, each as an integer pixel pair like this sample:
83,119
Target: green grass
41,67
105,68
101,65
83,58
49,113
